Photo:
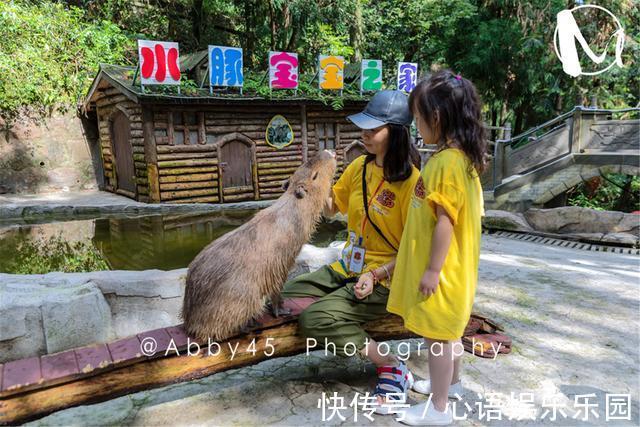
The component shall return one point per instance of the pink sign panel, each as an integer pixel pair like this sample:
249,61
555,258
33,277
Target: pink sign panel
283,70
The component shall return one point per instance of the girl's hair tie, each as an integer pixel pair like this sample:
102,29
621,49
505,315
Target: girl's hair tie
458,77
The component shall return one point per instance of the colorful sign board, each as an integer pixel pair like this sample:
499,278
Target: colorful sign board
370,75
225,66
159,62
331,72
407,76
283,70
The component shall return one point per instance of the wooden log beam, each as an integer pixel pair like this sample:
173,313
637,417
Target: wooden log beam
189,178
187,185
186,171
167,195
278,338
186,163
165,149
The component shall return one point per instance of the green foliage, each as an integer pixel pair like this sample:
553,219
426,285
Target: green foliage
49,55
55,254
614,192
49,52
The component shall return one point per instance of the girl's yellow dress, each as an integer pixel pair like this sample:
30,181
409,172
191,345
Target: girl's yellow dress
445,180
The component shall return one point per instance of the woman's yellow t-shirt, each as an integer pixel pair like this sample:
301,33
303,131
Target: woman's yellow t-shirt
388,209
445,180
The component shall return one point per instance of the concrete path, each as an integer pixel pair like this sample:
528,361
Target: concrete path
573,317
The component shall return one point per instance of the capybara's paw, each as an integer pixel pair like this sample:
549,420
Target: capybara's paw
277,309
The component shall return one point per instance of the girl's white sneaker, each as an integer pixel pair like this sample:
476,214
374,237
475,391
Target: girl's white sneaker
425,414
424,387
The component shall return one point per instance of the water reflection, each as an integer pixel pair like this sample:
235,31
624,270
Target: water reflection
162,242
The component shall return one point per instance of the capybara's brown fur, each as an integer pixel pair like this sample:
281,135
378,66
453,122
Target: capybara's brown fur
230,279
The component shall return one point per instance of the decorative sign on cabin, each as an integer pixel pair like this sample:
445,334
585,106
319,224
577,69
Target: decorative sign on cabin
331,72
225,66
407,76
279,133
370,75
283,70
159,62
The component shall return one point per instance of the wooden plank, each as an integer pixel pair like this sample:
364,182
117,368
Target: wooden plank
186,149
205,199
59,365
182,156
237,190
167,195
183,171
186,163
172,369
189,178
125,349
187,185
21,373
93,357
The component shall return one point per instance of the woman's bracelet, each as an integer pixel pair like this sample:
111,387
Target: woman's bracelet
386,270
375,276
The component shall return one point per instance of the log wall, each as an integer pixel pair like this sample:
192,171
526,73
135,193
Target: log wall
177,149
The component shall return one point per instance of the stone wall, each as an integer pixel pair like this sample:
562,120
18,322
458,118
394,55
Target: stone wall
49,313
52,156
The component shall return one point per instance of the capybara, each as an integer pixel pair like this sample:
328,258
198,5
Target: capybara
229,281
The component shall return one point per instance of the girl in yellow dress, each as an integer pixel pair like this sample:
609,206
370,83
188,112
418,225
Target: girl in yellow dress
436,271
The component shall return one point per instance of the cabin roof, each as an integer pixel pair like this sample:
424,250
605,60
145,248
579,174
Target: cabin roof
121,78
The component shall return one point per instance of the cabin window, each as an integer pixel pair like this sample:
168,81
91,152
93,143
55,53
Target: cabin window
326,133
187,128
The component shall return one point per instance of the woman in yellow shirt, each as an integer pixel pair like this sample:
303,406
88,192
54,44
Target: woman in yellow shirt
374,191
437,264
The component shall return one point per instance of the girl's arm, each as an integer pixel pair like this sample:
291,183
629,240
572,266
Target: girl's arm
439,248
365,283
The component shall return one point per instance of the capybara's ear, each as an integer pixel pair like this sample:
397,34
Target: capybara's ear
300,192
285,184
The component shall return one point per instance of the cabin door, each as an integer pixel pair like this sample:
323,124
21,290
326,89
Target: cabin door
236,170
120,132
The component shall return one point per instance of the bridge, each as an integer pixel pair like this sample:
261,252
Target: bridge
538,167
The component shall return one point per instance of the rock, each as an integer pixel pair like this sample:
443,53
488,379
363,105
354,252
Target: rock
76,318
504,220
574,219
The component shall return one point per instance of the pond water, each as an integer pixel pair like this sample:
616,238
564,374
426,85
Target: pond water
162,242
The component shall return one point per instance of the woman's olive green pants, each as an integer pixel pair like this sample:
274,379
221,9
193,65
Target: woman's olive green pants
338,315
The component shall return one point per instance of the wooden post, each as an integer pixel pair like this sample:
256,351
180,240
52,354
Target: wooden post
150,154
575,145
303,122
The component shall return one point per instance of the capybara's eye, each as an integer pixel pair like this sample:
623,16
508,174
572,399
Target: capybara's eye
315,175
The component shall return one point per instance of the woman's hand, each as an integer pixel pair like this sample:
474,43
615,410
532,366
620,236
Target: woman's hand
364,287
429,282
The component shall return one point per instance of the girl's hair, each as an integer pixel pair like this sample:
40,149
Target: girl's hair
456,102
401,154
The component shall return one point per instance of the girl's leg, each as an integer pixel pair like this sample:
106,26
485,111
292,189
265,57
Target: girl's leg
456,362
441,369
378,359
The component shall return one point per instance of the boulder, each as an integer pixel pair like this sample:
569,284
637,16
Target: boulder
574,219
504,220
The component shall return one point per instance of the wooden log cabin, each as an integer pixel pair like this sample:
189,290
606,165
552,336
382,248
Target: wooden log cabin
166,148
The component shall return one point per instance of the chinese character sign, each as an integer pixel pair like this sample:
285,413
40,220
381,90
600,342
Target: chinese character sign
225,66
407,76
283,70
371,75
159,63
331,72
